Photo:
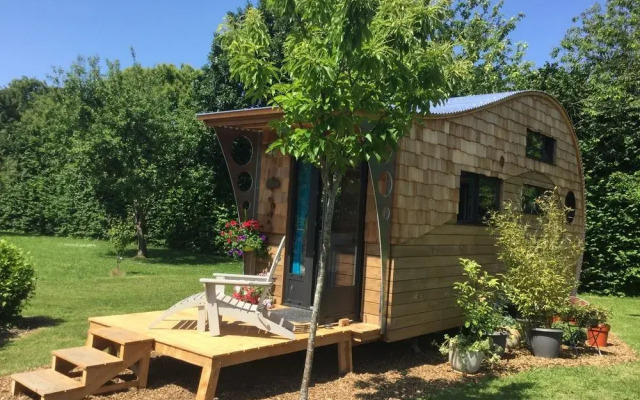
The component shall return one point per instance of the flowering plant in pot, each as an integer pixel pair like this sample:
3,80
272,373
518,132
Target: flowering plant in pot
477,297
597,327
243,237
254,294
248,294
540,259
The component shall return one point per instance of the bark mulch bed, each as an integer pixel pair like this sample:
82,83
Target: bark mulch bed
384,371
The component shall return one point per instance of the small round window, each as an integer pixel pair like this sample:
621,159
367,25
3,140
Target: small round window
244,181
241,150
385,184
570,203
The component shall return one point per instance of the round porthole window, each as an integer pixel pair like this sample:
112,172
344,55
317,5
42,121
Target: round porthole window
244,181
385,184
246,205
570,203
241,150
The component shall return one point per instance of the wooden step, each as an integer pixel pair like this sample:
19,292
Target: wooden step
86,357
46,382
120,336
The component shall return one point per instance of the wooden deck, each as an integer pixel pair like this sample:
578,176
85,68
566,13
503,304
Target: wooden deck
178,338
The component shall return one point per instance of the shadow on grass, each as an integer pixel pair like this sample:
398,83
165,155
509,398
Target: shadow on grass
174,257
412,387
20,234
26,325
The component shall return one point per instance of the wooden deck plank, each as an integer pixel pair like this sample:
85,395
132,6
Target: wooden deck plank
46,381
238,343
86,357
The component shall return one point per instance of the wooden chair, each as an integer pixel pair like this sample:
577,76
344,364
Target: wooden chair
199,300
219,304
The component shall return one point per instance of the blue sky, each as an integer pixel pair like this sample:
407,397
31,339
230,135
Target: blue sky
37,35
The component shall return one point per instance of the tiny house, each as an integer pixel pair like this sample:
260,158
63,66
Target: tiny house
400,227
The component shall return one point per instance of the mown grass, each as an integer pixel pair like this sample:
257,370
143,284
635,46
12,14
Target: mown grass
608,382
74,283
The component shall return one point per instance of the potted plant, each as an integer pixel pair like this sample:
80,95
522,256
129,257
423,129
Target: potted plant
597,327
540,259
243,237
466,352
477,297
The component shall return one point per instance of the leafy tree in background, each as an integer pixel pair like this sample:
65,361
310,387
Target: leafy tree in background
597,80
481,34
79,154
215,89
346,65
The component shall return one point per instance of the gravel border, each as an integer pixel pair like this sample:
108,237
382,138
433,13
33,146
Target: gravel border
382,371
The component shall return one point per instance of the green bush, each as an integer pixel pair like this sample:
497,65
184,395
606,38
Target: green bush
540,258
479,297
572,335
17,281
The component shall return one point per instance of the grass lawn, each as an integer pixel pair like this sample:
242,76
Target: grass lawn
611,382
74,283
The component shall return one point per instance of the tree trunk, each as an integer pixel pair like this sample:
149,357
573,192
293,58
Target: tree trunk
140,228
330,185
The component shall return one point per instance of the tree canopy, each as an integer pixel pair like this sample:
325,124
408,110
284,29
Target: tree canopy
101,144
596,78
353,77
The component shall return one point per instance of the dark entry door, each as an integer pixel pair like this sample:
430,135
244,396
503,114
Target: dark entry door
342,293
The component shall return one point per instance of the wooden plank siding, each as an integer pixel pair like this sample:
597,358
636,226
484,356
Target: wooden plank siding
427,242
372,266
273,208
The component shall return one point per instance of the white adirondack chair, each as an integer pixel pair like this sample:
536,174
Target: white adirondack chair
218,304
199,301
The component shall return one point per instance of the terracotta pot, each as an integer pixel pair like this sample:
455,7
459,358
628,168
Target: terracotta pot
598,335
555,319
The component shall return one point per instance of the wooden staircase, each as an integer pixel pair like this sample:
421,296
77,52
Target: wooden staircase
81,371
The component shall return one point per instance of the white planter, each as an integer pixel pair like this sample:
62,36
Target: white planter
465,361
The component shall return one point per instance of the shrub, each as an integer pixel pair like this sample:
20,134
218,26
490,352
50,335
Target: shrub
17,281
540,258
479,298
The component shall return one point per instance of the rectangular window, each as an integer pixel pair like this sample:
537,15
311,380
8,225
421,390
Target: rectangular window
529,195
540,147
479,194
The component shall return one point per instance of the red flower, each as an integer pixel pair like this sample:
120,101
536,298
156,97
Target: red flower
234,223
226,225
228,240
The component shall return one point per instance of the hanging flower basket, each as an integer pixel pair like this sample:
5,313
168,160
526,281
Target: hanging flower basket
244,237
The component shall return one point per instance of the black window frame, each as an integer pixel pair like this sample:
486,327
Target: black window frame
529,206
469,208
547,148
